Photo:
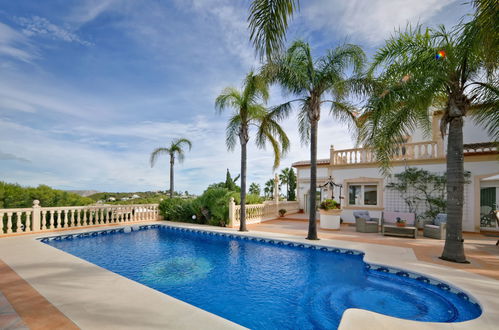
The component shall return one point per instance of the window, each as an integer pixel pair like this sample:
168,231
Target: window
354,194
363,194
370,194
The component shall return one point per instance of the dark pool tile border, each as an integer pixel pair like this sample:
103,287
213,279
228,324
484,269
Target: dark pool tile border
369,266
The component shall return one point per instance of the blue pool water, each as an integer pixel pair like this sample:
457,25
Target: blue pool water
264,285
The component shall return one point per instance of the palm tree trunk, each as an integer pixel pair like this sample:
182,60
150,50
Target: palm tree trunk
312,218
172,162
242,223
454,247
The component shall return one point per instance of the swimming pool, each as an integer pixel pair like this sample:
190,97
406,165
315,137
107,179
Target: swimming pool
265,283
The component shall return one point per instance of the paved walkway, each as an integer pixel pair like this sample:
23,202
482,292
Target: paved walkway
480,250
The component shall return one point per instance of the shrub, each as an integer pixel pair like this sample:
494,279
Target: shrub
214,204
329,204
250,198
282,212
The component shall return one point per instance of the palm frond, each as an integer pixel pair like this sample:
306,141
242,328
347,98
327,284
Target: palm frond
268,22
155,154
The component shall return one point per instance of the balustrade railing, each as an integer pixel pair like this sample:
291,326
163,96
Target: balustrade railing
256,213
408,151
39,219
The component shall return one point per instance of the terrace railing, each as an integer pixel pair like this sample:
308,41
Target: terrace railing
256,213
407,151
40,219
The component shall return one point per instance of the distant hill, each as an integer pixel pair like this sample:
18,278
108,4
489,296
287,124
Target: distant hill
84,193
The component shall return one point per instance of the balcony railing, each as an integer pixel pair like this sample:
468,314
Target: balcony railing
408,151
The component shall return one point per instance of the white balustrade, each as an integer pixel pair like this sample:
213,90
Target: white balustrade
408,151
39,219
256,213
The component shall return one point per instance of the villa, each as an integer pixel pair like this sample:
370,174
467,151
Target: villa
364,187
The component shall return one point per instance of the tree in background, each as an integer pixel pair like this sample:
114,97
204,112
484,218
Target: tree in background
16,196
269,188
283,180
326,81
176,149
249,110
254,189
291,185
230,182
288,178
422,70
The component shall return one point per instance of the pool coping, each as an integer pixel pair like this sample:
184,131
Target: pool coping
483,289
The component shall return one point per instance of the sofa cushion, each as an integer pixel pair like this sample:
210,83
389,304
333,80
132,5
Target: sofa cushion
361,214
432,226
440,219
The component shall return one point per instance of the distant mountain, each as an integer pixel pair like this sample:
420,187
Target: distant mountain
84,193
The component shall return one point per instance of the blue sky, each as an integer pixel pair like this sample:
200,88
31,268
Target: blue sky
89,88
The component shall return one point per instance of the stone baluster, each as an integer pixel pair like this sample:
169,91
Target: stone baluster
51,223
27,224
1,224
72,219
18,222
78,217
44,219
63,218
9,222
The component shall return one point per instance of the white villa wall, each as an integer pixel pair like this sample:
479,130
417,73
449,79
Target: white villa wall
391,200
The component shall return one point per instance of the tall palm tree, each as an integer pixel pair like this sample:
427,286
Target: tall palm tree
249,111
284,179
268,22
413,82
176,148
269,188
317,83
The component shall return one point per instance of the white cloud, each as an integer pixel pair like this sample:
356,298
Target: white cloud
369,21
40,26
16,45
89,10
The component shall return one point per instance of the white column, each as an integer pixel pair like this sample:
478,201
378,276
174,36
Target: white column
232,212
36,220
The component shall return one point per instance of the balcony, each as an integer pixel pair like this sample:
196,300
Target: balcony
407,152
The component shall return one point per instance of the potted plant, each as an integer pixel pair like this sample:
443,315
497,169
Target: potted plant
330,212
282,212
401,222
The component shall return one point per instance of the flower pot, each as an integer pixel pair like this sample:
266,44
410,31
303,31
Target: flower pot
400,224
330,219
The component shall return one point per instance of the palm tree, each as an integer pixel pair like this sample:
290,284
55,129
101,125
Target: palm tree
482,32
176,148
284,179
268,22
249,111
269,188
312,81
254,189
411,84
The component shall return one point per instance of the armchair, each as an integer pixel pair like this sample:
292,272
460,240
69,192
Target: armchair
364,223
436,228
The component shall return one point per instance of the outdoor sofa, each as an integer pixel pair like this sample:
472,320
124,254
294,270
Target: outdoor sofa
364,223
389,225
436,228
